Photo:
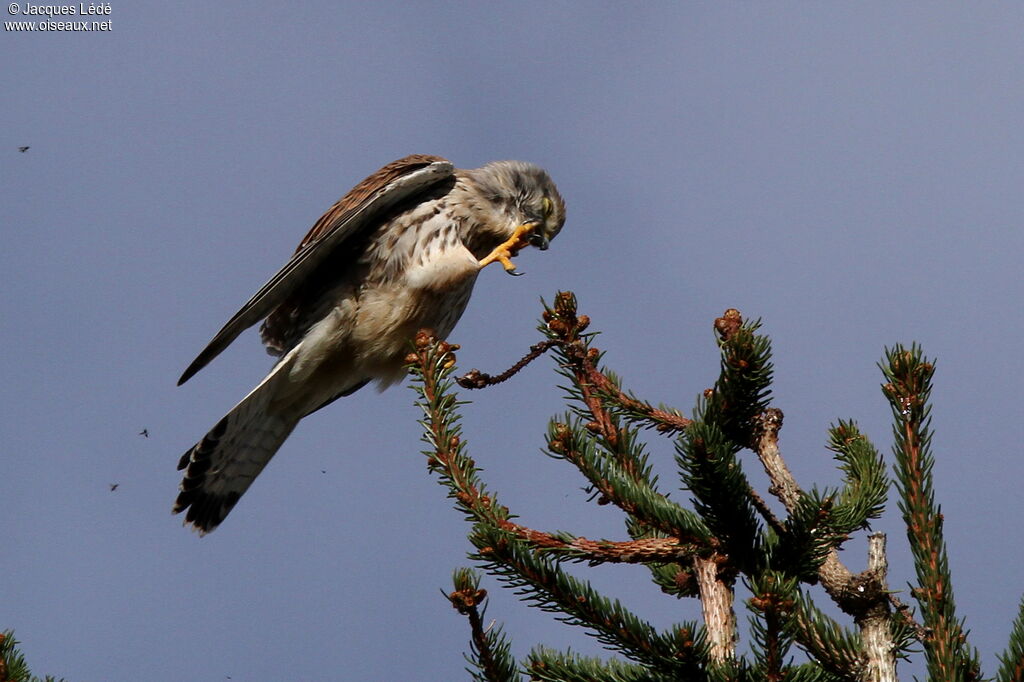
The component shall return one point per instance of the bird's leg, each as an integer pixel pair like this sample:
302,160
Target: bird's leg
504,252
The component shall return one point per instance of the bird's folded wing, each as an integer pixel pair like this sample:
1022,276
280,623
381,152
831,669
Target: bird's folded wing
384,189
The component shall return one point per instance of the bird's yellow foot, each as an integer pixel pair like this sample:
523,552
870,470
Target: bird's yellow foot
504,252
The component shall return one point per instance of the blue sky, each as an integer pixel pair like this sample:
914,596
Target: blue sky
851,174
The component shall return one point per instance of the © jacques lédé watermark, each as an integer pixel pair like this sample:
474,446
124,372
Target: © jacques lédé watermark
83,16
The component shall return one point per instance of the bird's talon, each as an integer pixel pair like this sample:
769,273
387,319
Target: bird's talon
503,252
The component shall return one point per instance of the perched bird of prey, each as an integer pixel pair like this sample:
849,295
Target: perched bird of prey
400,252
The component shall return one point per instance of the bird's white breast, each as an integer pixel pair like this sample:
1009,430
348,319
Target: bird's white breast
420,275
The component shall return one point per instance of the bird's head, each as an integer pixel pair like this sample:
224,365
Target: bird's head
517,194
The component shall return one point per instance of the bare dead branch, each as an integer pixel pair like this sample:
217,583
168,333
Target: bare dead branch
875,631
863,596
716,598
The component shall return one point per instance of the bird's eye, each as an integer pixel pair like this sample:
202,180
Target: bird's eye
547,207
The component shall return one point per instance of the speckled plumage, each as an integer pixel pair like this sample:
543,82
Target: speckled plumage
400,252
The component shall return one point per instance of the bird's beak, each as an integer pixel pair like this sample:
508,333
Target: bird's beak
539,240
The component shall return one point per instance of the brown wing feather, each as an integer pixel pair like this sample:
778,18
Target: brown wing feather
356,196
390,185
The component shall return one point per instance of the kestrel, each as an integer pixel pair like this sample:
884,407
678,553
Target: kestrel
400,252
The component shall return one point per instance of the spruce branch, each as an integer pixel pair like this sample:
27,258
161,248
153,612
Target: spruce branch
732,531
433,362
772,603
723,424
600,391
907,387
564,546
709,470
542,583
610,447
490,651
623,487
12,663
1012,660
864,596
546,665
650,514
835,649
864,494
808,537
743,390
811,672
508,550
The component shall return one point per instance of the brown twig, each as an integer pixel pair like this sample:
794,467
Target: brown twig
474,378
903,612
766,513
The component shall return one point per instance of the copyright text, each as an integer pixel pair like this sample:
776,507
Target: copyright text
90,10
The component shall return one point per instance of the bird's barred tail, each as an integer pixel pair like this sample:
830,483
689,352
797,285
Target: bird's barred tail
222,466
